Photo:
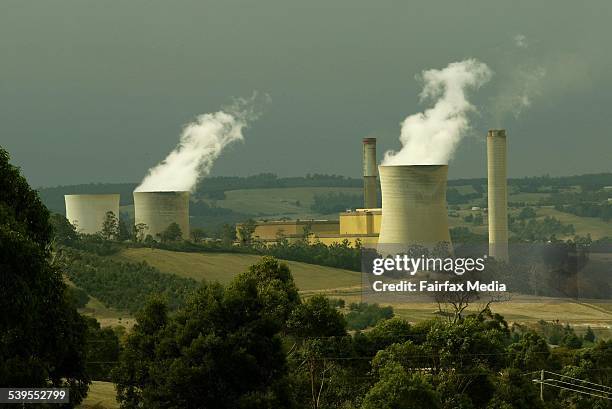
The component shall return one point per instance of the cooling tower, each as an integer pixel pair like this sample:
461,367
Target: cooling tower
497,194
414,205
157,210
370,194
88,212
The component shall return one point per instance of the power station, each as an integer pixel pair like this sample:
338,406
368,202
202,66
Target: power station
497,194
158,210
414,205
88,212
414,209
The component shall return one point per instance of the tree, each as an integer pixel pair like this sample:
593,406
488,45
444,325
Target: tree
314,325
246,231
399,389
110,226
316,318
589,335
138,232
102,350
228,234
64,232
530,353
222,350
42,341
172,233
125,233
527,213
197,234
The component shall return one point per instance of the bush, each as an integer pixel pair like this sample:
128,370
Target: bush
364,315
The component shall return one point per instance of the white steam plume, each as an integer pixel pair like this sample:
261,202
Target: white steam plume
200,145
431,137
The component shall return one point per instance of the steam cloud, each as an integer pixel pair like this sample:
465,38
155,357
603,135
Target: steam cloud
200,145
431,137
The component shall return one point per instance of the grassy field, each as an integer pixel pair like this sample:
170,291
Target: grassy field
594,226
101,396
292,202
107,317
223,267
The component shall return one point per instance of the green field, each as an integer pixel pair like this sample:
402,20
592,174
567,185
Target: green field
101,396
223,267
293,202
594,226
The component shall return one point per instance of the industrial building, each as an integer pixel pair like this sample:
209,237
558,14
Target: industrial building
291,230
88,212
158,210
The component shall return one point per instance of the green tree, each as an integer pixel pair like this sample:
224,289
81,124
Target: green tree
316,318
246,231
530,353
527,213
589,335
110,226
139,232
197,235
514,390
228,234
102,350
64,232
315,324
171,234
42,337
399,389
125,233
222,350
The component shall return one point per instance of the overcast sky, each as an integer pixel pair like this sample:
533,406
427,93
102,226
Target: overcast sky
98,91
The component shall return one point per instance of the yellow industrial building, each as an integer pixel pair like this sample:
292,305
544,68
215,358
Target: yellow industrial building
360,225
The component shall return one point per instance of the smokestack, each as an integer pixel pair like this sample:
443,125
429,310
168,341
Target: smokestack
497,194
414,205
88,212
157,210
370,194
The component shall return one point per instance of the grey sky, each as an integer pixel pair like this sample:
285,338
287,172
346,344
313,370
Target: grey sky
97,91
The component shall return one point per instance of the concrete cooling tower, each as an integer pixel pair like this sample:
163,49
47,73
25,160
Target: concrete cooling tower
88,212
497,194
370,193
413,205
157,210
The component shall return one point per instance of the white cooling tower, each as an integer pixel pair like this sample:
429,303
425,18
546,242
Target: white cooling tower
370,194
414,205
497,194
157,210
88,212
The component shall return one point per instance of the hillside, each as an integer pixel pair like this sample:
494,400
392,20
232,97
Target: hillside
223,267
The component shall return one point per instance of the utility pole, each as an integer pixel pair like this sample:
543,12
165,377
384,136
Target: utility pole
542,385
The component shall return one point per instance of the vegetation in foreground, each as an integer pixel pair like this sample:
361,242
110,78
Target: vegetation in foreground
256,344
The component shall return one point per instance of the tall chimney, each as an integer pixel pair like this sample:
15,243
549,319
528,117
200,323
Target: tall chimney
370,194
497,194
